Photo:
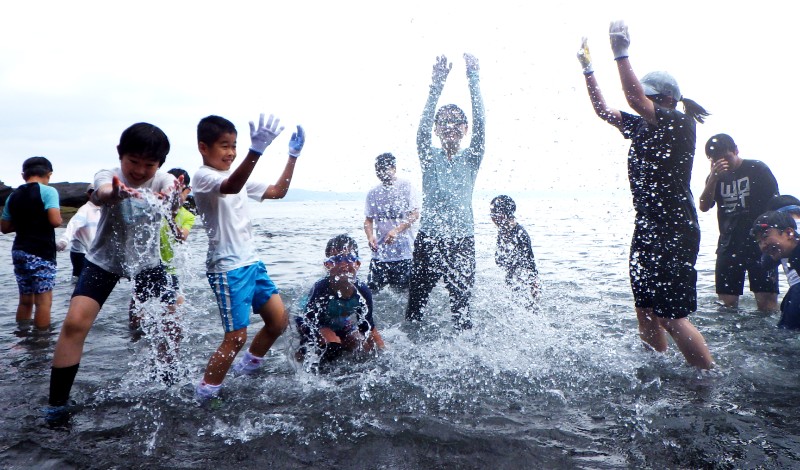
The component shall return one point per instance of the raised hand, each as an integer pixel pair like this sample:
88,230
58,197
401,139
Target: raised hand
620,39
472,64
296,142
585,58
263,135
440,70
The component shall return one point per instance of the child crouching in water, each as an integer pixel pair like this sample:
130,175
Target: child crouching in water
338,313
514,252
776,233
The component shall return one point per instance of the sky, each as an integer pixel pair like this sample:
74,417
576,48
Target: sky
355,74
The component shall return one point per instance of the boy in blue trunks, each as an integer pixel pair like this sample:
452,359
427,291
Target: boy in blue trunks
238,278
33,212
133,198
776,233
338,313
514,252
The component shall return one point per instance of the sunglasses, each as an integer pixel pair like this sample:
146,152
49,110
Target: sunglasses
349,258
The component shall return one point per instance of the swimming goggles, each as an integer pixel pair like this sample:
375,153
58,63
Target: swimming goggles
349,258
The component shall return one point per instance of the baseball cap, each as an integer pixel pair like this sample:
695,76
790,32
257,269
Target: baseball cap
779,202
661,83
772,219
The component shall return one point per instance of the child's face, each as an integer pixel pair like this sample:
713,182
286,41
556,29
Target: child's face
386,174
138,170
221,154
343,265
776,243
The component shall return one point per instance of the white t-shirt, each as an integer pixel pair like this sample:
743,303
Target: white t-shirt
82,228
227,222
127,239
388,207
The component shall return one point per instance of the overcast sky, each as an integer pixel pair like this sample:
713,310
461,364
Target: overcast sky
73,75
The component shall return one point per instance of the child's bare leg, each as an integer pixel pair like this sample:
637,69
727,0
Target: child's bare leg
223,357
690,342
44,305
80,317
275,322
25,307
650,329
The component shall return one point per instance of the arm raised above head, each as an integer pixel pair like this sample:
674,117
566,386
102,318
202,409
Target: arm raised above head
425,131
476,144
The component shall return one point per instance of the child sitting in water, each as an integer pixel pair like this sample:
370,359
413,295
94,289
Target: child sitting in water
338,313
776,233
514,252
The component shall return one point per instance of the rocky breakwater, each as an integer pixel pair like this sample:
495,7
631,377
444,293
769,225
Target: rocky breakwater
69,194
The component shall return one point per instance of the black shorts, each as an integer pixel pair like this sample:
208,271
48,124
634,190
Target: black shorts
394,273
97,283
731,266
662,271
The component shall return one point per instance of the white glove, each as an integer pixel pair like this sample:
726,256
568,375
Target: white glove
61,245
262,136
620,40
585,58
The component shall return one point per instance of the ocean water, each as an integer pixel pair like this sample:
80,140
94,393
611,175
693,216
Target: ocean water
567,386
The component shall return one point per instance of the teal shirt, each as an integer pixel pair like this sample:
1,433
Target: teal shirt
447,186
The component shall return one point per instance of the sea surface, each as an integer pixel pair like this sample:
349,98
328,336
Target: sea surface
566,386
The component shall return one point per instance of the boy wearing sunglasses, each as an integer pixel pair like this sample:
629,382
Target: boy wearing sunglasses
338,312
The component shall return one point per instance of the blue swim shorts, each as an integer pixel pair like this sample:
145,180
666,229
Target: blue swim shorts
240,292
35,275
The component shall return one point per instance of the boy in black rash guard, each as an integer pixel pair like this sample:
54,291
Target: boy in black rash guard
666,237
514,252
338,312
741,190
33,212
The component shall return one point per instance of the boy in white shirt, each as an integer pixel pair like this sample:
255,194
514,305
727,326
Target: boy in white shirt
238,278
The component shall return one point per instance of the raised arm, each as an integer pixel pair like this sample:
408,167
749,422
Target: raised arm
610,115
279,189
260,138
478,116
634,93
425,132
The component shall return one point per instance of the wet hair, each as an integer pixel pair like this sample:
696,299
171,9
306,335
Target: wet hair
385,160
146,141
210,128
178,172
694,110
777,203
503,205
36,166
340,243
719,144
451,109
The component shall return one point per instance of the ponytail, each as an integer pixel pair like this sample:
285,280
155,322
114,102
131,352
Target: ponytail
694,110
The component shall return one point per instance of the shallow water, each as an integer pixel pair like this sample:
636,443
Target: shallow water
568,386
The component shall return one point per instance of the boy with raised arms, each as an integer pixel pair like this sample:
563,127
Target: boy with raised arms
238,278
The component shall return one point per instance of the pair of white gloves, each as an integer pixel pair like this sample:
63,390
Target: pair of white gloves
620,41
264,134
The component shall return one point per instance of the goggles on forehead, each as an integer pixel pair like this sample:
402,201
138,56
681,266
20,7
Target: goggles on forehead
348,258
789,209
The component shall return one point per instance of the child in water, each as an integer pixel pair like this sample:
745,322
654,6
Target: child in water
338,313
514,252
776,233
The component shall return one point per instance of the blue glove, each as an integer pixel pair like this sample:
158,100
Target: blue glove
296,142
262,136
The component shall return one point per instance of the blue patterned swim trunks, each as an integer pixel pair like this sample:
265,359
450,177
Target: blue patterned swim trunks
34,275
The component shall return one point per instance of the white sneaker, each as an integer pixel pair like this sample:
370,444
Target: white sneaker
248,364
